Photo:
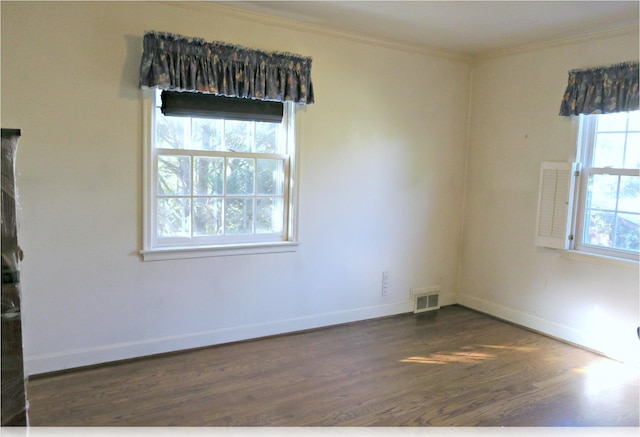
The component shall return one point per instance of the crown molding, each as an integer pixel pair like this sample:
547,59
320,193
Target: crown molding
287,23
610,33
300,26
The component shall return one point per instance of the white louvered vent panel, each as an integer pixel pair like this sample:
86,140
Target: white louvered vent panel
554,204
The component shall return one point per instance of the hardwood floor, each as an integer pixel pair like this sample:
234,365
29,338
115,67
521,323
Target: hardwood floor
456,367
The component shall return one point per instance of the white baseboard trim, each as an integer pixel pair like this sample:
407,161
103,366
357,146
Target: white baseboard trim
546,327
520,318
44,363
448,299
37,364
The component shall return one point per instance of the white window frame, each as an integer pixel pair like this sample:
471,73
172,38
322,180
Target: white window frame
155,249
586,143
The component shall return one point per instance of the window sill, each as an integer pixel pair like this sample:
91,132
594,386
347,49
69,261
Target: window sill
599,259
210,251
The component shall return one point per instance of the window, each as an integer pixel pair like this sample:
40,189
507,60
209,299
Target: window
608,206
217,182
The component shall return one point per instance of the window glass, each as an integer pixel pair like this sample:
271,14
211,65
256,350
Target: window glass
238,135
209,176
170,131
174,175
269,214
270,175
632,153
612,122
609,150
206,133
266,138
174,217
207,216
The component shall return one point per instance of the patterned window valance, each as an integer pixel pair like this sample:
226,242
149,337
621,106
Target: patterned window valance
178,63
601,90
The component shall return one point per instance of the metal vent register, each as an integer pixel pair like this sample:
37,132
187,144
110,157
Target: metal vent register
426,301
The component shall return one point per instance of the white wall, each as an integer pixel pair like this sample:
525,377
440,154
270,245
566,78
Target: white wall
380,186
515,126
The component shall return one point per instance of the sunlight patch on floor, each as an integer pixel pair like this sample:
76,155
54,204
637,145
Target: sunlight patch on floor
605,374
454,357
465,357
511,348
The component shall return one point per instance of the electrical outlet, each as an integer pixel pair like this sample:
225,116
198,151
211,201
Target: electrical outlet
385,283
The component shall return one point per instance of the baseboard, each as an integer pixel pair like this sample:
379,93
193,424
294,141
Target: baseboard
518,317
45,363
546,327
447,299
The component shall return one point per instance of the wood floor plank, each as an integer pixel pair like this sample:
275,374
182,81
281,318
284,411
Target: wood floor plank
456,367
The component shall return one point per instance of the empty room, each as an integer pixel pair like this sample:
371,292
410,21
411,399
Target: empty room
320,214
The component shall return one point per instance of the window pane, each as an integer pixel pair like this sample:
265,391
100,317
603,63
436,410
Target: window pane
170,131
603,191
266,137
632,157
612,122
240,176
634,121
209,176
629,197
207,217
174,217
206,134
628,232
613,211
238,135
238,216
269,214
270,176
174,175
599,228
609,150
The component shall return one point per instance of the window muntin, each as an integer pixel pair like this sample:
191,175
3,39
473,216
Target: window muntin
609,208
219,182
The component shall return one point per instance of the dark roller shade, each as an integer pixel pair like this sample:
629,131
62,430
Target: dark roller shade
187,104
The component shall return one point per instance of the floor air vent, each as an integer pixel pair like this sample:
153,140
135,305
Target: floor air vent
426,299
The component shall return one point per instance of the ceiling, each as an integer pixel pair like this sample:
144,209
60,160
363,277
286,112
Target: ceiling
466,28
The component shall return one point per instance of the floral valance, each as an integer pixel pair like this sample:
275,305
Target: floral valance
178,63
601,90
